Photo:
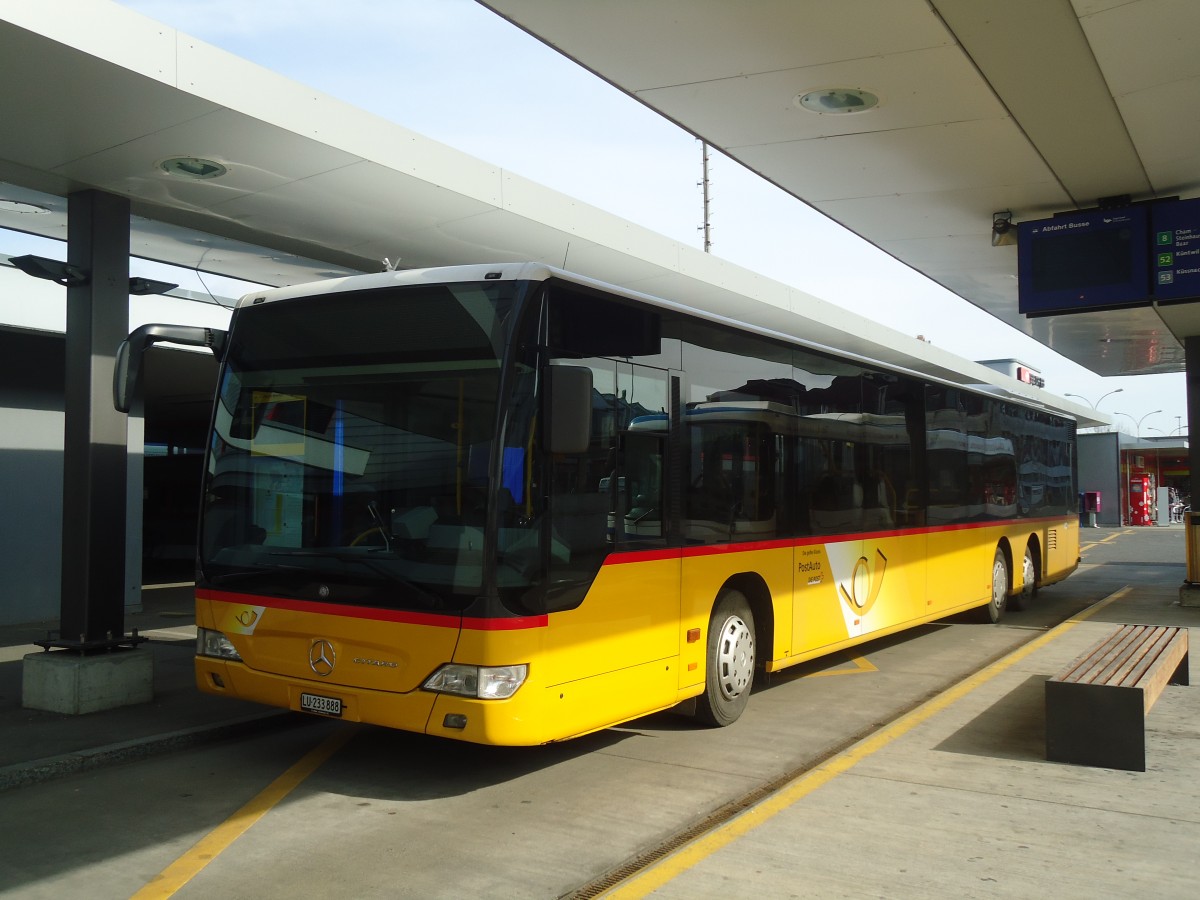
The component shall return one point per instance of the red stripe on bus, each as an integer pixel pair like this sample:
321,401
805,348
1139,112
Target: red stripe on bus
406,617
477,624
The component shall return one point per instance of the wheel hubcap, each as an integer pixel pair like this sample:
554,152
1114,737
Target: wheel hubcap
999,584
1027,574
735,657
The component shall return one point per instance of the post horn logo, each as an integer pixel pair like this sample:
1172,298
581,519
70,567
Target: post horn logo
864,584
321,657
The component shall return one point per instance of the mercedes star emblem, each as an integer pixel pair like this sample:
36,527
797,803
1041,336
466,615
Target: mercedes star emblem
321,658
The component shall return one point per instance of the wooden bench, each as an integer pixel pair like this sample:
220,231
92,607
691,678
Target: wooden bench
1096,707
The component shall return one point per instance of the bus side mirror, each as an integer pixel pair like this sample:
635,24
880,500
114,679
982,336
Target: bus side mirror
127,373
567,409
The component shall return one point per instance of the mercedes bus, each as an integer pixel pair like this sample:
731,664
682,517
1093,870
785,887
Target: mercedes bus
511,505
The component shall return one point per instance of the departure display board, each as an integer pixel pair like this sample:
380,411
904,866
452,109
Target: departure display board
1175,227
1083,261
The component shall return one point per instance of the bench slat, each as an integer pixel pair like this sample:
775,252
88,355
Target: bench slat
1173,652
1128,643
1150,651
1089,667
1122,658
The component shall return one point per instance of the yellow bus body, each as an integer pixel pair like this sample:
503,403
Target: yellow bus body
637,643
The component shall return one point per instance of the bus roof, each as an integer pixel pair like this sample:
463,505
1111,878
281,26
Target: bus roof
900,353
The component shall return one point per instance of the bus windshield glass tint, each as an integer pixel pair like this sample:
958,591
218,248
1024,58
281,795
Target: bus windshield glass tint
350,453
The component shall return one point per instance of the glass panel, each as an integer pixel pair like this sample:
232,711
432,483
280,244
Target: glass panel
586,490
352,445
642,487
581,492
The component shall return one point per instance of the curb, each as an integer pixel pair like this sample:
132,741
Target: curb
37,771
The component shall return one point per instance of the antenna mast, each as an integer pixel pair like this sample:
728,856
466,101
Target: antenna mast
705,227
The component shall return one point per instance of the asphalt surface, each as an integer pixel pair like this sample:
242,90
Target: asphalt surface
950,795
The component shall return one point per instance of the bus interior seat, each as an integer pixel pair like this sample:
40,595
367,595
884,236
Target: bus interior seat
413,524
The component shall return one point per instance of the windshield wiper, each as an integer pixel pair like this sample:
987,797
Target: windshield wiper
252,574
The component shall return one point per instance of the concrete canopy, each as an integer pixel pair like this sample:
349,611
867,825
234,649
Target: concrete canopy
1031,106
325,187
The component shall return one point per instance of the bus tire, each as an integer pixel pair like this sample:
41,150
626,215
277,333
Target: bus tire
994,611
730,666
1029,576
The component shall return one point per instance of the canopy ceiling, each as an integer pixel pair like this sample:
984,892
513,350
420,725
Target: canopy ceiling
1031,106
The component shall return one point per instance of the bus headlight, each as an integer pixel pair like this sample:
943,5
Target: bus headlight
213,643
480,682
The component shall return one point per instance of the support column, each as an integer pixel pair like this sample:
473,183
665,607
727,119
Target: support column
135,474
90,666
1191,350
1189,594
94,473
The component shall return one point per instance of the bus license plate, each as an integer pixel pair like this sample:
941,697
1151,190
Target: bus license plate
325,706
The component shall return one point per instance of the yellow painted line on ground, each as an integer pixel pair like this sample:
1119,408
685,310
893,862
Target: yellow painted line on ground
861,665
671,867
209,847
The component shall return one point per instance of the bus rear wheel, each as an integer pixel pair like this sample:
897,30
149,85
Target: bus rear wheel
994,611
731,659
1029,576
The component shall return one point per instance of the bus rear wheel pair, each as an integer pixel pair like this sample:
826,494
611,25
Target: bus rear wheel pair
1002,599
731,661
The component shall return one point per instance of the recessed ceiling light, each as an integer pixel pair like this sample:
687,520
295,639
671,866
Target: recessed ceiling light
192,167
20,206
837,100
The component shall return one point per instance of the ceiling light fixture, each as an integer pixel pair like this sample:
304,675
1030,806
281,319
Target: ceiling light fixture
837,100
20,206
70,276
192,167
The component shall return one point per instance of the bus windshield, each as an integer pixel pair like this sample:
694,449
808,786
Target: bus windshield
349,455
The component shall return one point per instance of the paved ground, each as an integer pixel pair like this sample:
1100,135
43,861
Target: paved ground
953,798
956,799
38,743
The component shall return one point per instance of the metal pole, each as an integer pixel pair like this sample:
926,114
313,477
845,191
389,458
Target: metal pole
704,186
92,604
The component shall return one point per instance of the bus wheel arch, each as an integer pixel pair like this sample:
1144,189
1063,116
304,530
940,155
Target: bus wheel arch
758,595
735,632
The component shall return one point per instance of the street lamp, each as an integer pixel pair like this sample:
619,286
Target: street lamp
1138,422
1094,406
1098,402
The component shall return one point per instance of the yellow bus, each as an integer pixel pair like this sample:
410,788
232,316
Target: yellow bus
510,505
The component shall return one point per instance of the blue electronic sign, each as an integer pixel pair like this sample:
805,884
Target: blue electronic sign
1175,226
1083,261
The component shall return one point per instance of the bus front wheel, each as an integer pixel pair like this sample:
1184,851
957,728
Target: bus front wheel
730,669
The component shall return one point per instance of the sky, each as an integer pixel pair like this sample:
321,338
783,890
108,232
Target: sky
457,73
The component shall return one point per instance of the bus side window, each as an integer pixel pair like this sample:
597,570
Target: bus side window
641,486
